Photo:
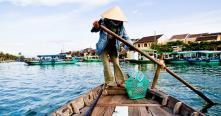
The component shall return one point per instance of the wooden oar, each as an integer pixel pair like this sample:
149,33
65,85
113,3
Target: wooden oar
155,61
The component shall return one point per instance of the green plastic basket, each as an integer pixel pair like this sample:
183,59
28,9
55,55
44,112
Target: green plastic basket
136,85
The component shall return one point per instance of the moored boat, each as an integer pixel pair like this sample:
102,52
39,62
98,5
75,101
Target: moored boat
52,60
92,59
79,59
138,61
114,101
180,57
206,57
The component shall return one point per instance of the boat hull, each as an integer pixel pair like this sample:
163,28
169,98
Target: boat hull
171,61
51,63
110,100
92,60
211,62
139,61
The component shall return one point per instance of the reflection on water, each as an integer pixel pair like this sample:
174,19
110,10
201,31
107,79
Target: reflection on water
38,90
142,67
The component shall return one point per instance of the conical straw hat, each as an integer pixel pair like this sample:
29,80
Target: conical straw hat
114,13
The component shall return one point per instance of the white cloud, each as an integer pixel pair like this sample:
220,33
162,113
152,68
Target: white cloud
40,34
57,2
45,34
48,34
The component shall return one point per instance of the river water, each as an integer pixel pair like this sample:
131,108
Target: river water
39,90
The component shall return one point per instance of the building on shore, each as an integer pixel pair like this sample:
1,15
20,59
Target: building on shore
146,42
143,44
209,37
192,37
180,37
201,37
205,37
84,53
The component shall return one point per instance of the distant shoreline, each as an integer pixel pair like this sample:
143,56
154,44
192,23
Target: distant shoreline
7,61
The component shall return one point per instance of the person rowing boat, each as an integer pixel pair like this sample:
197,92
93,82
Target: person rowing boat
107,45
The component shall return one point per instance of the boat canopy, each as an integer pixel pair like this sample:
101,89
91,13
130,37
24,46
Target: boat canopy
185,52
210,52
55,55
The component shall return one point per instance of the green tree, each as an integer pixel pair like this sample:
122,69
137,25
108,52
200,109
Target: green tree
192,46
7,56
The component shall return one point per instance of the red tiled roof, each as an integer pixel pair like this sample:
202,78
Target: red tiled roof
149,39
195,35
217,33
203,34
204,38
134,40
181,36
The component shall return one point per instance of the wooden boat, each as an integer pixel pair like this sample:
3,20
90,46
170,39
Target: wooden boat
180,57
114,101
206,57
52,60
92,59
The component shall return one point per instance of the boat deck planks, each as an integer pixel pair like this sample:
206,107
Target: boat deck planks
139,107
103,111
138,111
160,111
114,101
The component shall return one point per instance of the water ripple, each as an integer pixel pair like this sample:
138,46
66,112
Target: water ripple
39,90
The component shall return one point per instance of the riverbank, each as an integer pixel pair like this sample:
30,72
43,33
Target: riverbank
7,61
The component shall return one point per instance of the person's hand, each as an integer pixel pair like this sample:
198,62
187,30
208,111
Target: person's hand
96,24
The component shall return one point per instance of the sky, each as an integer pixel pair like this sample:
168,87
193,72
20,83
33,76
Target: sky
35,27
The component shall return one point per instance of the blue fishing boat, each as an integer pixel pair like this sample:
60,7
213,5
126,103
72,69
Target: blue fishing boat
53,60
92,59
180,57
206,57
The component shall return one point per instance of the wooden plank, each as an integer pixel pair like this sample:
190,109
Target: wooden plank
158,111
130,105
144,112
126,100
117,99
122,99
104,99
115,91
145,101
133,111
138,111
103,111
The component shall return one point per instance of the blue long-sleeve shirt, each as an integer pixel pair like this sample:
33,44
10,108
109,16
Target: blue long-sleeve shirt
103,39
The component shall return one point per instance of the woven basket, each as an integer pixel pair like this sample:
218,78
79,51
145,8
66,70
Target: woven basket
136,85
